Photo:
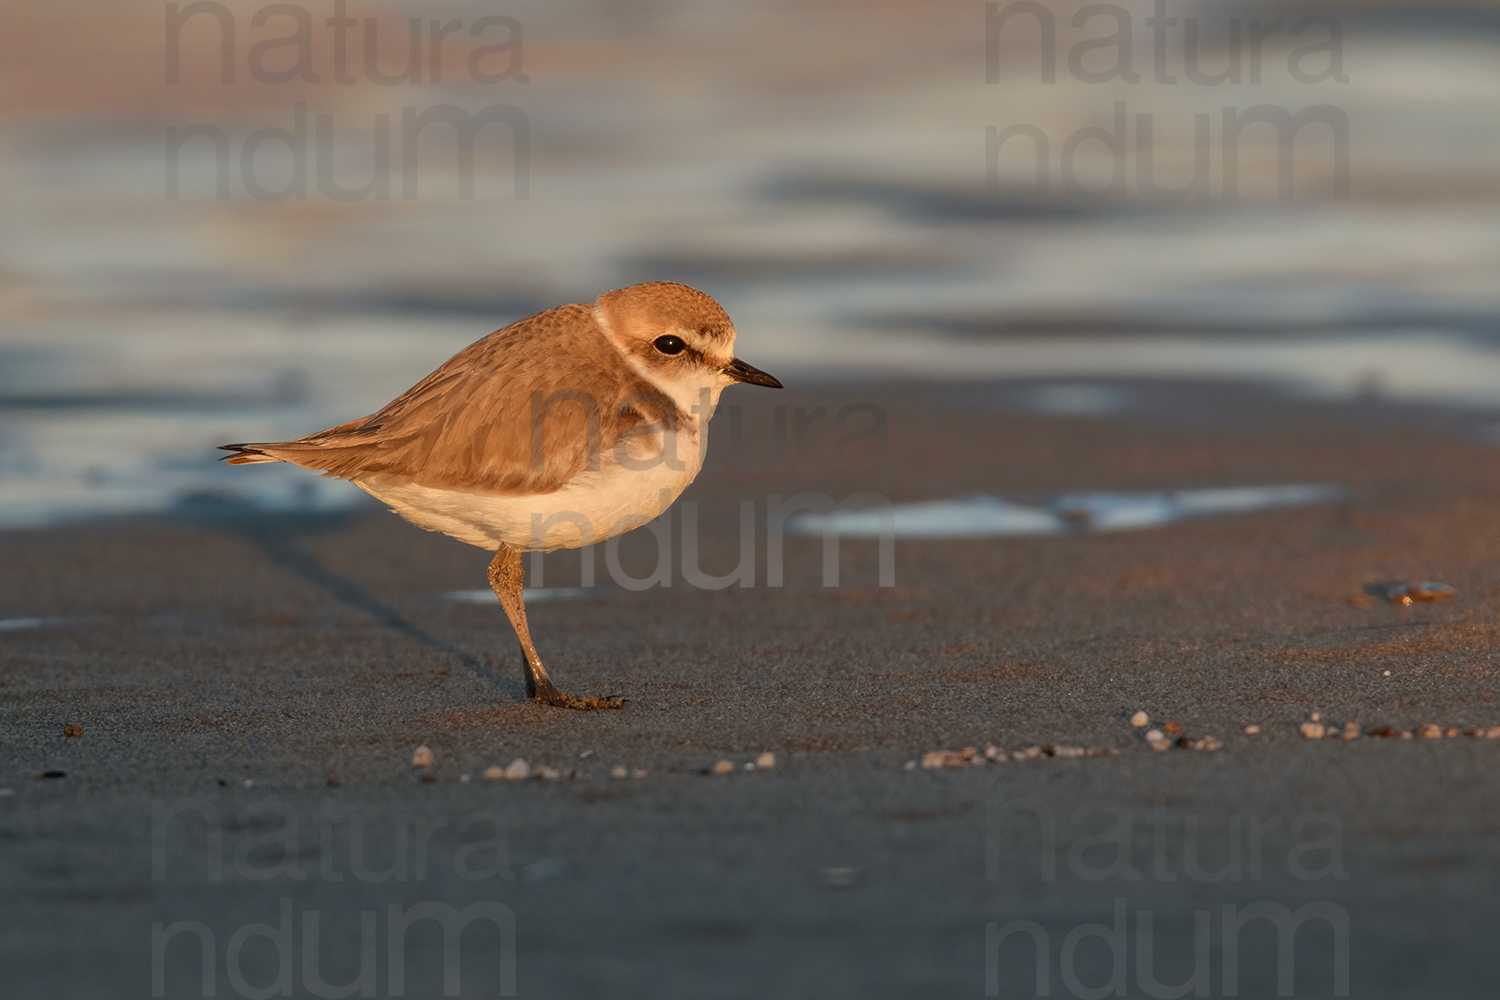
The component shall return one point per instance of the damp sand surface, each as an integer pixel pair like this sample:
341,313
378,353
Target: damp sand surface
249,692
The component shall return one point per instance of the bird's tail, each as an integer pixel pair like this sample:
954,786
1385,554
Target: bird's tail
248,454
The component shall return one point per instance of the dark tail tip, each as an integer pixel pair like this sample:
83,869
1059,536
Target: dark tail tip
243,453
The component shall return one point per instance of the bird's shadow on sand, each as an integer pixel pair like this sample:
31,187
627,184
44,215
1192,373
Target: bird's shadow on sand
277,535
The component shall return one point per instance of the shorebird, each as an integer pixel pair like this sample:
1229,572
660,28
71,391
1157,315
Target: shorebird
561,430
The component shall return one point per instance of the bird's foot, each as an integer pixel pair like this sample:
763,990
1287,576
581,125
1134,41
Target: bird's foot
550,695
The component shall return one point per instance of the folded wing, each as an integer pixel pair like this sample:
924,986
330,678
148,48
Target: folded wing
519,412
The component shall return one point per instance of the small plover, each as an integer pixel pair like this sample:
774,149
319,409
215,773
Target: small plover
561,430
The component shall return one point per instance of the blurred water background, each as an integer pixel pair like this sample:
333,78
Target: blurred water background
827,170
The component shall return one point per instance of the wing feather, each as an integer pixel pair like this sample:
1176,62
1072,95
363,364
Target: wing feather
521,411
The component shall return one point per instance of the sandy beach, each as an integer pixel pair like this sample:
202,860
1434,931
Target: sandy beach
242,672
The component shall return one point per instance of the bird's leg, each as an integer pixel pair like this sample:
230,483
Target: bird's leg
506,577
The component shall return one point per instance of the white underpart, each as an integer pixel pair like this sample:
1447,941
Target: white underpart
629,488
636,481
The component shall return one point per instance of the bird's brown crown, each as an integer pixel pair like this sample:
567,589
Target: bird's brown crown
643,311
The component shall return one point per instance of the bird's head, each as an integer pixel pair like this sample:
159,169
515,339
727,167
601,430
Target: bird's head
680,339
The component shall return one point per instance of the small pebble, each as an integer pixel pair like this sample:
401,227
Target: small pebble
767,759
517,769
640,772
1429,732
839,878
723,767
1430,592
1314,730
749,765
969,757
1491,733
586,753
1386,674
463,779
945,758
1172,727
1252,730
1315,717
1387,733
73,729
1351,731
249,782
1140,720
1409,593
1452,732
618,772
494,773
1157,740
422,757
546,773
1206,743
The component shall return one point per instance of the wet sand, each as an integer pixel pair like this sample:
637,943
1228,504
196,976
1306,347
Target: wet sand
310,655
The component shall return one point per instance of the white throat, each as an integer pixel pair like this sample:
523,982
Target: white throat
696,393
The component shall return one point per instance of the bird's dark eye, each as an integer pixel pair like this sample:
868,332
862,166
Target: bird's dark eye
669,344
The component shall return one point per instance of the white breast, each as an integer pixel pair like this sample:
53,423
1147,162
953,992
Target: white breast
628,489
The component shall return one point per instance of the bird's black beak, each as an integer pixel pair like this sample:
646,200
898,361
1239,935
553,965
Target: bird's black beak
741,372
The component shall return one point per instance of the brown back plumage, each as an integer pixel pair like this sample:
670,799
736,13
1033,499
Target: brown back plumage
521,411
